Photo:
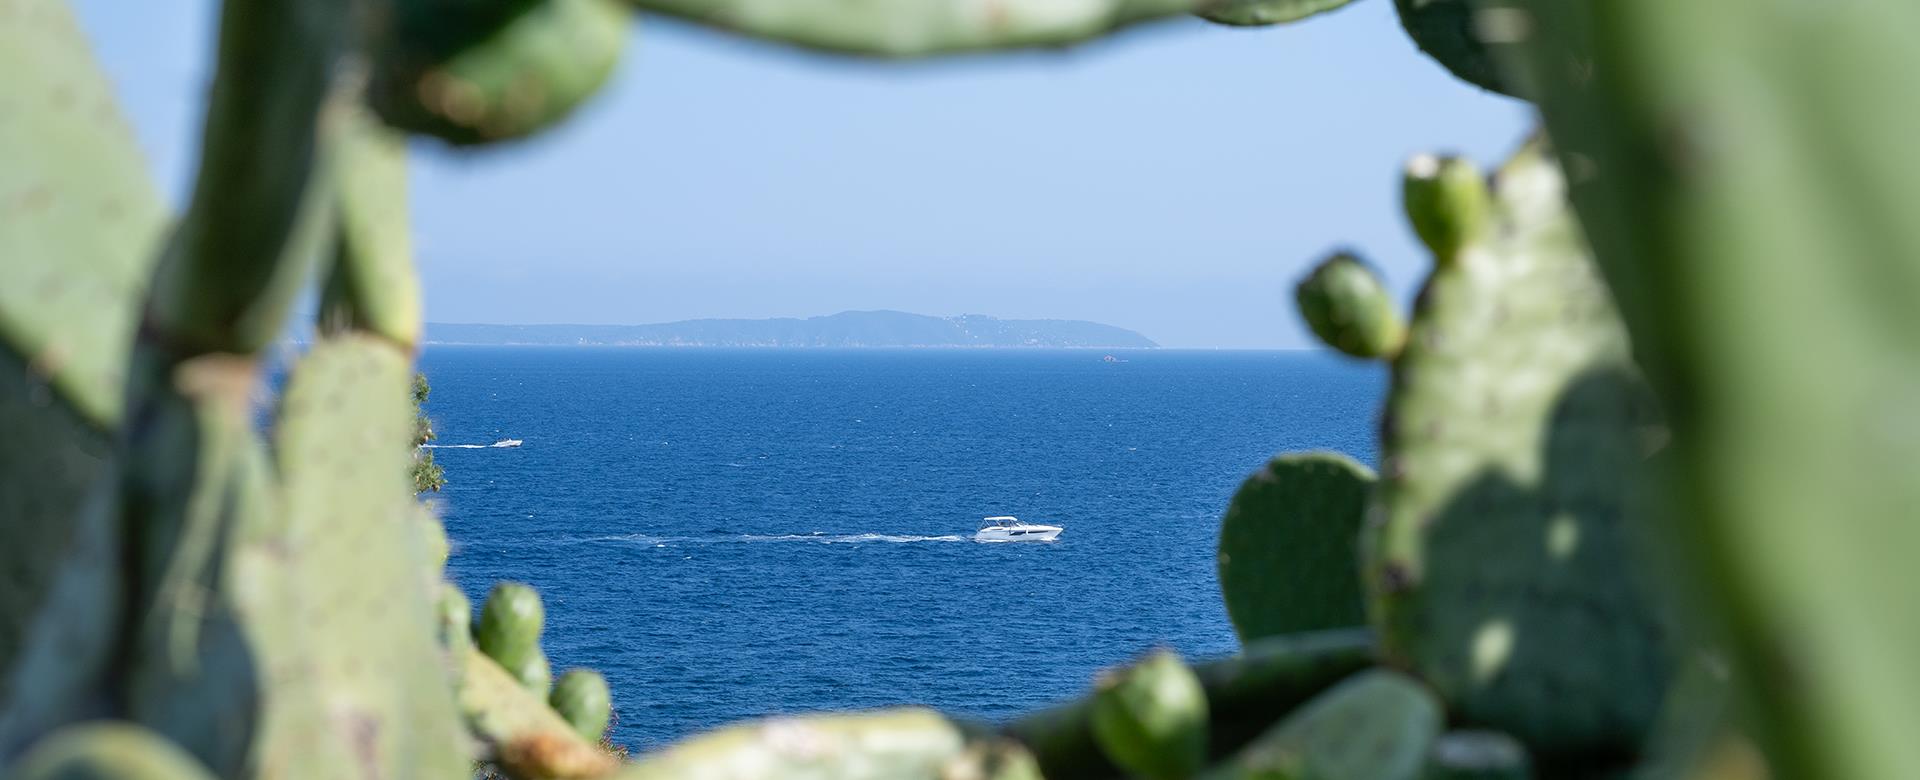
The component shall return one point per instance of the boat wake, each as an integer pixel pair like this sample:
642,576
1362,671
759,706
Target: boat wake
730,538
500,443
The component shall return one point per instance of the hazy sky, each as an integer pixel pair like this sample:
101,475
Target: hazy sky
1175,180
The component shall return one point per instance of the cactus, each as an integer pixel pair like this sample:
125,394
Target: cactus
1722,138
520,66
1244,694
78,220
1151,718
1499,561
1258,13
1477,755
1345,305
1288,558
581,697
1454,33
510,624
456,621
1377,725
536,673
107,751
881,745
517,729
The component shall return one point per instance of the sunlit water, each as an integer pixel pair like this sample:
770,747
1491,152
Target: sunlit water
728,534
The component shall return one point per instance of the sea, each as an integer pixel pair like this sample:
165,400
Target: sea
727,534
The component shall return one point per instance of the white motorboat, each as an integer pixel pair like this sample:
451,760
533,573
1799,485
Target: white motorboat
506,443
1007,528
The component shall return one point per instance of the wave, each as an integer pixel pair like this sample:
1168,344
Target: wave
503,443
733,538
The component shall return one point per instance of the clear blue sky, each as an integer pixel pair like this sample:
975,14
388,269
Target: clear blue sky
1175,180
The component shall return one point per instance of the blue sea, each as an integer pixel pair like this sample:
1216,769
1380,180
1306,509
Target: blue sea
728,534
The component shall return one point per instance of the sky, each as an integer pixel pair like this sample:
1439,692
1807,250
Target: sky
1176,179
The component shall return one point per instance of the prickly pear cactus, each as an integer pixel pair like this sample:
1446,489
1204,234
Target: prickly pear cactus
1377,725
474,73
1257,13
879,745
518,731
1288,547
1498,551
582,698
1477,755
1151,718
1454,33
510,624
1753,172
78,223
107,751
1344,303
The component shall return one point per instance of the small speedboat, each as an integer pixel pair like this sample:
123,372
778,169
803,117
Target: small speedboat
1007,528
506,443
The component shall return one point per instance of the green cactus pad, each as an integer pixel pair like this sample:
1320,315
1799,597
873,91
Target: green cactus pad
1150,719
519,731
1288,547
79,219
581,696
543,61
1344,303
1450,31
1499,555
107,751
1259,13
1374,726
1477,755
1245,694
1753,210
879,745
371,284
510,623
357,675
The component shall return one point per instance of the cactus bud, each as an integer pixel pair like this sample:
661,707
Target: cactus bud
535,673
1345,305
582,698
1447,202
509,629
456,619
1151,719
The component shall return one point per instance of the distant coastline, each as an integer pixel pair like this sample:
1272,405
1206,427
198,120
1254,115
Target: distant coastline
843,330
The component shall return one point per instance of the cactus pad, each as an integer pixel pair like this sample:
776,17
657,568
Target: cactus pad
1258,13
107,751
357,676
542,61
1344,303
912,28
1288,558
1374,726
1451,31
372,285
582,698
510,624
1499,555
519,730
1151,718
878,745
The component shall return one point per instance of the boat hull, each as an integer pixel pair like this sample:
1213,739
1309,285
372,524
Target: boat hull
1016,534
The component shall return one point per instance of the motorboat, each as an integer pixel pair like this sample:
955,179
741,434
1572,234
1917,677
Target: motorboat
1007,528
506,443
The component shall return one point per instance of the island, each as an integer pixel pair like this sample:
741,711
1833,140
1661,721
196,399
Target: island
846,329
